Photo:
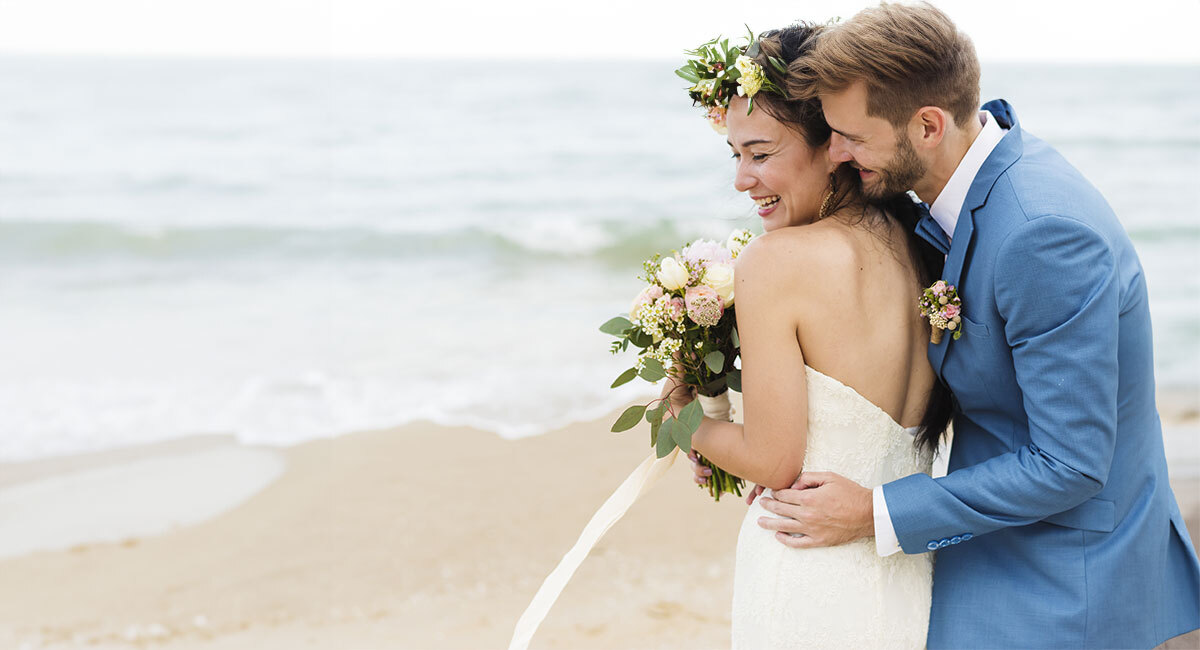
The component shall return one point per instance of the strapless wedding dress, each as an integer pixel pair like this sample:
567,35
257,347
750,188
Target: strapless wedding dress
845,596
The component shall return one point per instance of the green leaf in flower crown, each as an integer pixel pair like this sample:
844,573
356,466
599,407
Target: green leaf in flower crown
629,418
652,370
778,65
625,377
733,379
715,360
688,74
665,443
737,343
616,326
753,50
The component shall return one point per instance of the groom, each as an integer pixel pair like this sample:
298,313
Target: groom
1055,526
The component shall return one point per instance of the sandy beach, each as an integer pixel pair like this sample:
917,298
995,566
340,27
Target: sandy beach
416,537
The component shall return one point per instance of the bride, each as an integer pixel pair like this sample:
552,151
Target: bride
834,369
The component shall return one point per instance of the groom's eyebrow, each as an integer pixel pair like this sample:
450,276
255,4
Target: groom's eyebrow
848,136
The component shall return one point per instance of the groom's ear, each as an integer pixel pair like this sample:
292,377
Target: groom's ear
928,126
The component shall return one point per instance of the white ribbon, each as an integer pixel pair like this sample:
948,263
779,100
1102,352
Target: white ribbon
613,509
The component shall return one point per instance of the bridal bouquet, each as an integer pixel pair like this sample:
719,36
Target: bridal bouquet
683,324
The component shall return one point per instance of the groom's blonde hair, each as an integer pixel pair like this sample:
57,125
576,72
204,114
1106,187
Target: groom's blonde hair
908,56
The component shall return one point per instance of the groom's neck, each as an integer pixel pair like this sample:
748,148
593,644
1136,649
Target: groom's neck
947,156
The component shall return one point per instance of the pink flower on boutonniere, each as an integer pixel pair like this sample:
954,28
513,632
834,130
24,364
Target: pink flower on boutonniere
941,305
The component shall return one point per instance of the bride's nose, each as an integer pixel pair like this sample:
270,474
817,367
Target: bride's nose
743,180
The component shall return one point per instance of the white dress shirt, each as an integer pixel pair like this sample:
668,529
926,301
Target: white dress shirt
945,210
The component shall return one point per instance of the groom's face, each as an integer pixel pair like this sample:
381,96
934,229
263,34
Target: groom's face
886,160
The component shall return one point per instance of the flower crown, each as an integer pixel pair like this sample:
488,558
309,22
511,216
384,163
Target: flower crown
718,72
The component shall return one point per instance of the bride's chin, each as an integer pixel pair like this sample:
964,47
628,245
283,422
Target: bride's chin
773,220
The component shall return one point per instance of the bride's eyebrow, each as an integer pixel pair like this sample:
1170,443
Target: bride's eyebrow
749,143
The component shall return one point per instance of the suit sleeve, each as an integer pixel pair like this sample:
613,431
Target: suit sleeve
1057,291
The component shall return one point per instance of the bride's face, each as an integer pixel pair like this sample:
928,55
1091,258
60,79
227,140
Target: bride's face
785,177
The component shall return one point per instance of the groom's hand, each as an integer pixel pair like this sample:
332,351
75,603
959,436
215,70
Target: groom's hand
820,509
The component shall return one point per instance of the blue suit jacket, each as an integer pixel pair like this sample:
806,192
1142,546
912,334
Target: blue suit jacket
1056,526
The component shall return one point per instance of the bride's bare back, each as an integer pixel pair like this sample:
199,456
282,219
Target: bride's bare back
849,291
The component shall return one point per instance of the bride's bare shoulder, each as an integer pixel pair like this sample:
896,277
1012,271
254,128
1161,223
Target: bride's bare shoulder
801,254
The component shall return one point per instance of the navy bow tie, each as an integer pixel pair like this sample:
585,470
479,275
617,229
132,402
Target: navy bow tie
930,231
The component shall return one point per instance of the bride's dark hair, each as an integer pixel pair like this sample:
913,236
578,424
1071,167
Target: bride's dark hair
801,111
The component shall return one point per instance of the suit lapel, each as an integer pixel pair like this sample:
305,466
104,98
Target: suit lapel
1002,157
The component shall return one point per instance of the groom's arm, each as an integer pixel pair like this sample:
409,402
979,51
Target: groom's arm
1057,290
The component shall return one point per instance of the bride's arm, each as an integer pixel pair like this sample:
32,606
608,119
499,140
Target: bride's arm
769,448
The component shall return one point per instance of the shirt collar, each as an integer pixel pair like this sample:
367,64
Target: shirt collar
949,203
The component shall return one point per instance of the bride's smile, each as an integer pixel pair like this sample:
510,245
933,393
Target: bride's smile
784,176
766,204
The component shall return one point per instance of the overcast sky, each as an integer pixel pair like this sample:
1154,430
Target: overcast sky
1044,30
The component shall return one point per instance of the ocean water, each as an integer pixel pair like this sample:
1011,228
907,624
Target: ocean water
285,250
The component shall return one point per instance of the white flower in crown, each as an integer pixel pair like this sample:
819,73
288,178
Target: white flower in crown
752,77
706,87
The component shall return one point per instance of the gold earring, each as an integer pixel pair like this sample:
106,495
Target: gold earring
828,197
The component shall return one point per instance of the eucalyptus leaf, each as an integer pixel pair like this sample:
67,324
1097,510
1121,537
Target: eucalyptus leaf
629,418
616,326
716,386
687,424
625,377
682,437
640,338
688,74
690,416
715,360
652,370
733,379
737,342
655,415
665,443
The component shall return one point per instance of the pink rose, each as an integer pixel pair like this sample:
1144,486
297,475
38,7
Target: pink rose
674,308
703,305
950,311
647,296
939,287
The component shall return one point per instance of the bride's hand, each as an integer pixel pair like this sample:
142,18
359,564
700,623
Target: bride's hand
701,472
758,489
677,394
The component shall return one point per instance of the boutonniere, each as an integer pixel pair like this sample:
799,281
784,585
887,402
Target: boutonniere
941,305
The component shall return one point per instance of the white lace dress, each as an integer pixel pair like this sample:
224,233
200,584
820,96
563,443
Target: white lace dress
845,596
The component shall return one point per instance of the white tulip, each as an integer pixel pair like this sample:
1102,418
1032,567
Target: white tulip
672,274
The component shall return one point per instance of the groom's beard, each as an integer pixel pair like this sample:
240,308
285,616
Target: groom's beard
899,175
